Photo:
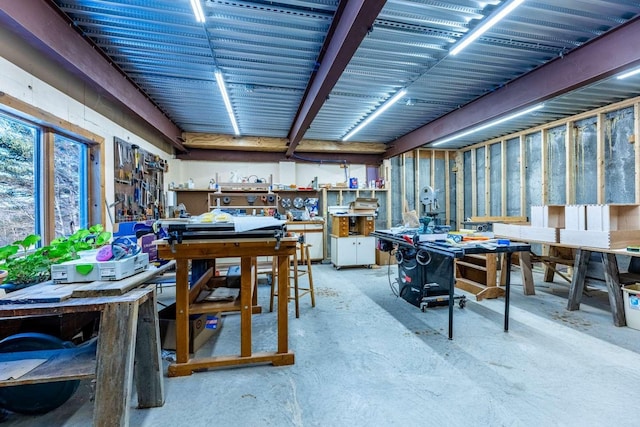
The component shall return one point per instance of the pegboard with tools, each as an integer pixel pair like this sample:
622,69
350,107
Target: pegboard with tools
139,183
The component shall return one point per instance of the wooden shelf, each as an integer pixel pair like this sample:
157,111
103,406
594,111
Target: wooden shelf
478,274
62,365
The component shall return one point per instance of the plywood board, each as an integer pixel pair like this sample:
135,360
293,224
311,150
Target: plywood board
510,231
537,216
575,217
617,239
539,234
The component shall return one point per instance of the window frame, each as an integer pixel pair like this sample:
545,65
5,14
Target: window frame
49,126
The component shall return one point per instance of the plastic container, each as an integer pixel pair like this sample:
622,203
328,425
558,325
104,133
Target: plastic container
631,295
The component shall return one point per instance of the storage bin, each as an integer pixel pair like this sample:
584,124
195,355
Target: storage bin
631,295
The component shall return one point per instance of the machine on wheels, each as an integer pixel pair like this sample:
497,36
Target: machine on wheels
424,277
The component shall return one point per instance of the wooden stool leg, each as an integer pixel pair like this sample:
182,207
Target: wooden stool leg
274,281
295,284
311,291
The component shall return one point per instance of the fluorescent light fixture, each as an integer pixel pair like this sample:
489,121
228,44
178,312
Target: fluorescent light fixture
227,103
197,10
488,125
629,74
477,32
376,113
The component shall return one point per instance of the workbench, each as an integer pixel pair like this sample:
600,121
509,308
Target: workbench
453,252
128,334
580,262
247,249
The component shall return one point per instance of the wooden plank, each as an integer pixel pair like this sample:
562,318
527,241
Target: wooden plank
47,292
501,219
66,364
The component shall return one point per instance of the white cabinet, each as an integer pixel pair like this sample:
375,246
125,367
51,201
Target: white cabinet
353,250
313,235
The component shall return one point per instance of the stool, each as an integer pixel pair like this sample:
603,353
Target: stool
294,273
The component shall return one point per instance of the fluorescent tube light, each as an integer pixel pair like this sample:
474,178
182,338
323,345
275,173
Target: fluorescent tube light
488,125
477,32
197,10
227,103
376,113
629,74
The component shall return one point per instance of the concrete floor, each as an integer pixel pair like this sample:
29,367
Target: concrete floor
365,357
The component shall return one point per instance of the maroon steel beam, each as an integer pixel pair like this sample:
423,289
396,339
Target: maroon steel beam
264,156
44,28
601,58
347,31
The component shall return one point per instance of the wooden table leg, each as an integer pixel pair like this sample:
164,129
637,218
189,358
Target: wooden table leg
246,297
577,280
283,303
612,279
182,311
148,371
550,267
114,376
529,287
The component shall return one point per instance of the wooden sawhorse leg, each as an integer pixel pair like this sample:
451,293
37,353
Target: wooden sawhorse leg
577,281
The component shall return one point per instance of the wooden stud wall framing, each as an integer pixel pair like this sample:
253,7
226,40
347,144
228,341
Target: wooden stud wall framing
523,175
571,138
600,157
503,177
474,180
636,141
447,185
487,180
544,166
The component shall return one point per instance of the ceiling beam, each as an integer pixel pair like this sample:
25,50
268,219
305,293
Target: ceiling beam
601,58
258,143
43,27
269,157
348,28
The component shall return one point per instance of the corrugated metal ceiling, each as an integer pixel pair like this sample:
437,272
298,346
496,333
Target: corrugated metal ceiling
268,51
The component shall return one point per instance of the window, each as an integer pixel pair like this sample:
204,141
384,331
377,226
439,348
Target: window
17,182
45,185
69,186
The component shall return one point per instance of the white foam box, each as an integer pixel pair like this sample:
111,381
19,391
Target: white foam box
83,269
116,270
87,269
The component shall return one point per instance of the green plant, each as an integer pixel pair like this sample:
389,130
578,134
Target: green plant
25,266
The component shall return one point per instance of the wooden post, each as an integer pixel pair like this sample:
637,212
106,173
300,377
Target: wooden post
115,362
148,362
577,281
612,279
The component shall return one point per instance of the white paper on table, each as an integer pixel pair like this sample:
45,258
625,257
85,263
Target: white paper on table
14,369
247,223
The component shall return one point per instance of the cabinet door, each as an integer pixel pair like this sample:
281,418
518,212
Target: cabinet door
343,251
316,240
366,251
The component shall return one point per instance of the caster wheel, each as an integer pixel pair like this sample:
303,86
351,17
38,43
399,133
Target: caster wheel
462,303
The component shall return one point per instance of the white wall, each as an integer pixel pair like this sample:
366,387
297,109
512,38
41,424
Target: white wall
27,88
